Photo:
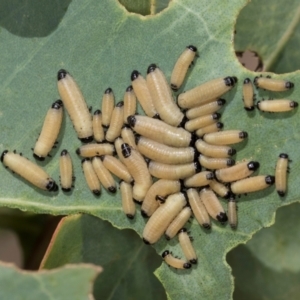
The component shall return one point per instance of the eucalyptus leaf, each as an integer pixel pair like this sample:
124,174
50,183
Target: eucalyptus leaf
100,44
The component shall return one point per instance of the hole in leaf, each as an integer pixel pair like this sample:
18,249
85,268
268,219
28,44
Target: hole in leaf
272,30
250,60
145,7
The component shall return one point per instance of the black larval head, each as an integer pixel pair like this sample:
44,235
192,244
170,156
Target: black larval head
182,230
129,88
221,101
57,104
253,165
3,154
131,120
112,189
120,104
64,152
108,91
61,74
192,48
247,80
293,104
289,85
283,155
40,158
187,265
130,216
222,217
270,179
151,68
52,186
86,139
97,112
126,150
134,75
165,253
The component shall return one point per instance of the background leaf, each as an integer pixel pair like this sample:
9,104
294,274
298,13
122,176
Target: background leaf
128,264
100,47
69,282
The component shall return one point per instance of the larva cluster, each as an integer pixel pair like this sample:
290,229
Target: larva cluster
160,155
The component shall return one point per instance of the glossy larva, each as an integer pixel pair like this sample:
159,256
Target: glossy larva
116,167
275,85
213,205
220,189
103,174
142,93
198,208
162,97
199,179
200,122
91,176
186,246
232,212
281,174
76,106
160,189
28,170
97,126
175,262
237,172
91,150
252,184
128,137
129,103
127,199
248,94
214,150
215,127
206,92
108,104
50,131
212,163
162,217
160,132
282,105
205,109
178,222
138,169
116,123
118,143
66,171
227,137
163,153
181,66
173,172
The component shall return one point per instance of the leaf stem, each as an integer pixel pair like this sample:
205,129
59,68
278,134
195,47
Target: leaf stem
282,42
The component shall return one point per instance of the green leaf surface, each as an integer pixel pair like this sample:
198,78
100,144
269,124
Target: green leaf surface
128,264
100,47
268,266
272,29
68,282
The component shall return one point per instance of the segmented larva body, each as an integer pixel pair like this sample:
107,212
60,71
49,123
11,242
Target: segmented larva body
281,174
142,93
116,167
212,163
163,153
213,205
275,85
186,246
173,172
252,184
76,106
160,132
127,199
162,217
201,122
282,105
103,174
66,171
129,103
178,222
227,137
199,179
50,131
116,124
138,169
108,104
97,127
198,208
28,170
175,262
237,172
248,95
232,212
206,109
91,176
158,191
128,137
206,92
215,127
214,150
162,97
181,67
